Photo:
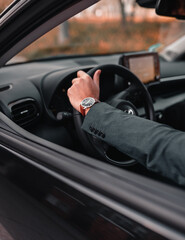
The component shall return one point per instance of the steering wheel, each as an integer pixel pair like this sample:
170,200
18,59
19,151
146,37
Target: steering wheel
122,100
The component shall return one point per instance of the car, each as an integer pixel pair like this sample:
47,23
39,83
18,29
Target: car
57,182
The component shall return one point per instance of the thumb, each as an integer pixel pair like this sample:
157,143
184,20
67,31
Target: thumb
96,77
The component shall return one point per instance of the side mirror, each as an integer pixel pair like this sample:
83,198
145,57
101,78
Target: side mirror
173,8
147,3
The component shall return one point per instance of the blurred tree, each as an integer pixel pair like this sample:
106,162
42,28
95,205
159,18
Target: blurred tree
133,5
122,10
63,35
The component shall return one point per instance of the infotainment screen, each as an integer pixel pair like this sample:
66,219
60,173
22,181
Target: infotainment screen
144,65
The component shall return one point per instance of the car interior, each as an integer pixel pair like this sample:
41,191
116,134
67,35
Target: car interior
33,94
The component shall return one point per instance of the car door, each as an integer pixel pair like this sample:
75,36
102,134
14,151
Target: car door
99,200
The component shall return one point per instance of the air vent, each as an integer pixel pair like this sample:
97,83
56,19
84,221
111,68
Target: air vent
5,87
24,112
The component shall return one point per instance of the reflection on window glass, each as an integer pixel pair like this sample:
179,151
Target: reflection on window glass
107,27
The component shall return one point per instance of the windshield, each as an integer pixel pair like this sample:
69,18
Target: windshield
107,27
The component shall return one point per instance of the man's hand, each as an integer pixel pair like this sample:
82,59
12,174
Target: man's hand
82,87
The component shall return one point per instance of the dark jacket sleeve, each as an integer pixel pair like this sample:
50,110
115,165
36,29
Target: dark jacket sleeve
156,146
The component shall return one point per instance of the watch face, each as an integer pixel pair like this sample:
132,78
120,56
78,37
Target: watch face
88,102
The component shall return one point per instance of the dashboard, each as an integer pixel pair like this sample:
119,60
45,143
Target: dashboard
34,94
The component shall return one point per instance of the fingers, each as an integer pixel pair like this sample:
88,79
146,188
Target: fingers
75,80
82,74
96,77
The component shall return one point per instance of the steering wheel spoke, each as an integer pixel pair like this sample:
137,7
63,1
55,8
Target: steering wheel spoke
127,93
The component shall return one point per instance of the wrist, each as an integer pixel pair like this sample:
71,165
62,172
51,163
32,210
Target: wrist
86,111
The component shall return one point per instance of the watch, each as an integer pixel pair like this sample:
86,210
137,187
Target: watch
87,103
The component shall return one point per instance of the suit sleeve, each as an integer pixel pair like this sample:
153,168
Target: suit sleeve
156,146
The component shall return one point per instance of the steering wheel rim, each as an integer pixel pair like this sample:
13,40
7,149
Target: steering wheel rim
97,147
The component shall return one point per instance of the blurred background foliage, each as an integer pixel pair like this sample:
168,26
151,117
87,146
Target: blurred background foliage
110,26
98,38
